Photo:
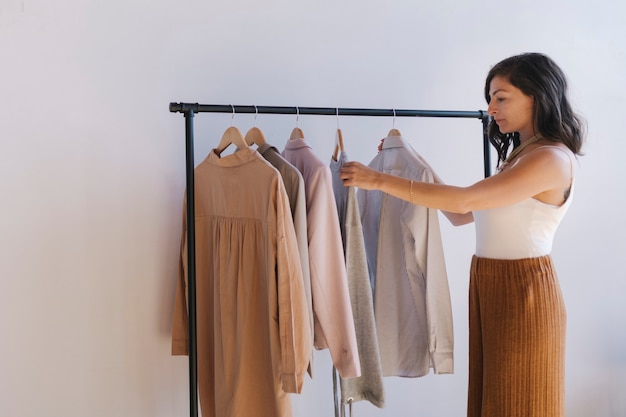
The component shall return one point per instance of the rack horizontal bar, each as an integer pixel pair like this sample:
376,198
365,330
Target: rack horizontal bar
330,111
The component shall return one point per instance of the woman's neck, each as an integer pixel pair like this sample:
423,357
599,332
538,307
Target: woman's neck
533,138
528,134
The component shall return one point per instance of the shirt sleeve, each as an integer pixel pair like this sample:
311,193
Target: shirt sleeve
334,324
430,259
300,227
293,314
180,324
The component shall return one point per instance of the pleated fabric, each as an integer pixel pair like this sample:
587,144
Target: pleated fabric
517,324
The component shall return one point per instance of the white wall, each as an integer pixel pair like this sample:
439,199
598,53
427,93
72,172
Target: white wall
92,174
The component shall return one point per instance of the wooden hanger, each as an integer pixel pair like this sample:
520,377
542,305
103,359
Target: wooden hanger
338,144
338,140
296,133
233,136
255,136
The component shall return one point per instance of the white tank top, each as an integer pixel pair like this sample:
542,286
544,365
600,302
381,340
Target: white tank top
521,230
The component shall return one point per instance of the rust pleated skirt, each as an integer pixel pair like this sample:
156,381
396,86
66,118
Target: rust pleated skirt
517,326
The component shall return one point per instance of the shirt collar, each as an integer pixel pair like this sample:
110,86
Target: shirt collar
394,142
266,147
293,144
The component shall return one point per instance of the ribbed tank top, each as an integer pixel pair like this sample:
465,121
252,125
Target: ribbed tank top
522,230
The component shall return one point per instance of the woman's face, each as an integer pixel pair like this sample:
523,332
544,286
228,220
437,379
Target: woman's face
511,109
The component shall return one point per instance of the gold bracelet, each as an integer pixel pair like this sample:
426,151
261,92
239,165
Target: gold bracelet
411,191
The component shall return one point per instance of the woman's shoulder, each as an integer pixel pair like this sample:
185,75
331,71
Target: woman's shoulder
557,149
549,155
557,155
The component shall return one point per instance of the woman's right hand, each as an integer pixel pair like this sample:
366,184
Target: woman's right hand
355,174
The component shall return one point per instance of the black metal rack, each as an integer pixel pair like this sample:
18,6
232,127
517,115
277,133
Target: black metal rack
190,109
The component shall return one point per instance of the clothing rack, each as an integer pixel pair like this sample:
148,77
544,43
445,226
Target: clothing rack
190,109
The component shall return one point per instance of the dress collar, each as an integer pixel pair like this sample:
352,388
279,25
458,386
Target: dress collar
238,157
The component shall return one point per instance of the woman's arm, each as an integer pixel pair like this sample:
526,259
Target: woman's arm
426,194
457,219
530,176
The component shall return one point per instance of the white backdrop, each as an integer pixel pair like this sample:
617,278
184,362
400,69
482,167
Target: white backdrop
92,174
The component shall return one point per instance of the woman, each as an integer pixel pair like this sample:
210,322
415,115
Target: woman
517,315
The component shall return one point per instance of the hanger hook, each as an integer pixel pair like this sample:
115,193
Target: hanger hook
337,117
393,124
297,115
256,113
232,117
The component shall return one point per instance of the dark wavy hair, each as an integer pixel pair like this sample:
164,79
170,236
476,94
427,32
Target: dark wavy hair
538,76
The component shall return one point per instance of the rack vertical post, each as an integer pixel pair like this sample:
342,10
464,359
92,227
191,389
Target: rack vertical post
191,264
486,149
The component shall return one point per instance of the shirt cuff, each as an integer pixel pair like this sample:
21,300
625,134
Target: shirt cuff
180,347
443,362
292,383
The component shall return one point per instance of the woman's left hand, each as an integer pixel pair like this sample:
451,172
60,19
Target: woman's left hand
355,174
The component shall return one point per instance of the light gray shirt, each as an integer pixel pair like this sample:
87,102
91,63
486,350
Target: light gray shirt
407,269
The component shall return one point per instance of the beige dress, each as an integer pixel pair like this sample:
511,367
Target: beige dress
254,337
